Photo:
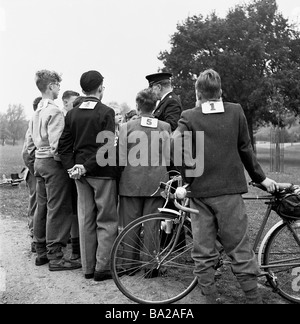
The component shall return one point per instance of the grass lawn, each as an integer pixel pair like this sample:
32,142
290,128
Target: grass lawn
13,200
11,159
291,154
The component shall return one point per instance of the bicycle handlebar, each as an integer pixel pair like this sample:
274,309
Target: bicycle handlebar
282,187
186,209
166,186
172,196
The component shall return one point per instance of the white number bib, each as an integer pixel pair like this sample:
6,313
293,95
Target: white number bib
88,105
149,122
212,107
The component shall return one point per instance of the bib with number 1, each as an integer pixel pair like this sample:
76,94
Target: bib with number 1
149,122
212,107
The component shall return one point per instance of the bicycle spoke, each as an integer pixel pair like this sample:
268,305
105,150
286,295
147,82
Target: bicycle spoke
145,268
282,261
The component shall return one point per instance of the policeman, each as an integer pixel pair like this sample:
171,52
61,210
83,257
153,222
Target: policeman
168,107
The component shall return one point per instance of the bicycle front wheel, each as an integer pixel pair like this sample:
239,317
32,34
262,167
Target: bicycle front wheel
150,266
282,258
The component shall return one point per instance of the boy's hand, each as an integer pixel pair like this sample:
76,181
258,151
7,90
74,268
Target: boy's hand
77,171
270,185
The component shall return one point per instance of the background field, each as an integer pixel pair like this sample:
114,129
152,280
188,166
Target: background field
13,205
13,200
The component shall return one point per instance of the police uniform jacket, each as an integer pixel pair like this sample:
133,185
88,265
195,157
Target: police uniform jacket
169,110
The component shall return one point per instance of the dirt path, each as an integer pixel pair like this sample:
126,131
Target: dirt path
21,282
27,284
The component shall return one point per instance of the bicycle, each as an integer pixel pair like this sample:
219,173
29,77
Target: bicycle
14,181
150,271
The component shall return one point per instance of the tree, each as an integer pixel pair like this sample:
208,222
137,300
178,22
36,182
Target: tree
4,133
16,122
255,50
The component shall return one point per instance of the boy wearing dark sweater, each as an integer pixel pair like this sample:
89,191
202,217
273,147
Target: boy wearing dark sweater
80,150
216,188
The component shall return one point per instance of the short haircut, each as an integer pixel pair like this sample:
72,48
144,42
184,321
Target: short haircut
70,93
146,101
35,103
44,77
209,84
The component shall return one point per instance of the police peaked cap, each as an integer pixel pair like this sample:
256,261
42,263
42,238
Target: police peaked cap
157,77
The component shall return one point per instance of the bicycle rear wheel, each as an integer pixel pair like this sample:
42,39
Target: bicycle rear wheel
148,266
282,255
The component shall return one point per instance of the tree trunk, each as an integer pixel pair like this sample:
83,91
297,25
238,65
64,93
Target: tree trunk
250,128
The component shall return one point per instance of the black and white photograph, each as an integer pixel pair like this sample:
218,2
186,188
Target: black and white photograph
149,154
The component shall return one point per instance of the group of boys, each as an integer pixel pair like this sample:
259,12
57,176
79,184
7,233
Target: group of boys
67,149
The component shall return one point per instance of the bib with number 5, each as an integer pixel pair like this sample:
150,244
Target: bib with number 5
149,122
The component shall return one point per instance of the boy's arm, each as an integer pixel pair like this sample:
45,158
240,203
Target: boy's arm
249,158
56,125
30,149
65,146
246,152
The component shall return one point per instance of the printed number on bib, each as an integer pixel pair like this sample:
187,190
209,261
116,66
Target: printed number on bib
212,107
149,122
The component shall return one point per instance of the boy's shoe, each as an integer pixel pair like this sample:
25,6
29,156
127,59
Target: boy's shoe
253,297
89,276
63,265
41,261
102,275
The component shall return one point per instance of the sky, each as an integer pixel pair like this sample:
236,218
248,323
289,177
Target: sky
120,38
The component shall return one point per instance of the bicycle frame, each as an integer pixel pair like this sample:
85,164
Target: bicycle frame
269,233
265,218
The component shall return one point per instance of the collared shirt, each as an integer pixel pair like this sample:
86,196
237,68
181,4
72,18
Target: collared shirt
164,96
